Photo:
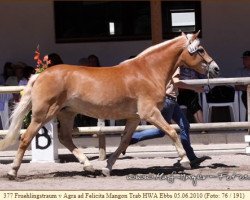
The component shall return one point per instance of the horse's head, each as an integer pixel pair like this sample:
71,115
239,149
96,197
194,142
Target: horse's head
196,57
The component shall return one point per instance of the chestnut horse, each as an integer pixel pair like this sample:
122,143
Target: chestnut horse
132,90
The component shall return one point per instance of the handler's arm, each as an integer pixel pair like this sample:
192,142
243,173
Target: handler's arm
179,84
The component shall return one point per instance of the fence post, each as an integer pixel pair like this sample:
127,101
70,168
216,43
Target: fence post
45,144
102,141
247,137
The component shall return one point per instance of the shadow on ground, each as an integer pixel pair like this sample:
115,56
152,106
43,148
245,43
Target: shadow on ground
131,172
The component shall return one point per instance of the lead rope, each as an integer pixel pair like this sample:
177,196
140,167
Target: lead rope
208,80
208,76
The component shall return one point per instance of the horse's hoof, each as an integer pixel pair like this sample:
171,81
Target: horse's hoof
11,175
89,168
105,171
185,165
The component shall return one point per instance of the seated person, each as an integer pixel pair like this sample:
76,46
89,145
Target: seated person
244,72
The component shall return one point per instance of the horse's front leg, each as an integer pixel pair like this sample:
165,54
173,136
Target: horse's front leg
155,117
130,127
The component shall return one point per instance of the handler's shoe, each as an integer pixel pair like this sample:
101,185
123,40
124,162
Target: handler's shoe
197,161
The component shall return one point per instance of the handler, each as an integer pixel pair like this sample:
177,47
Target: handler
172,110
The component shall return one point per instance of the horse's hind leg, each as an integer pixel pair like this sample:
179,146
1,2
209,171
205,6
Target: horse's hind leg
130,127
42,112
24,143
66,119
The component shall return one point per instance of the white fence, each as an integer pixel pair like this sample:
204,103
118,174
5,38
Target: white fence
101,130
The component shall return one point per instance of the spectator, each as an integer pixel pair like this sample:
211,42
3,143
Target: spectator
55,59
8,70
17,76
93,61
244,72
27,72
7,97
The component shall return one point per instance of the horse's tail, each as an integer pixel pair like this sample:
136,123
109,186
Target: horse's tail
17,116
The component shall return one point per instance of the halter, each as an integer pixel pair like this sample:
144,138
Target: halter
207,63
207,66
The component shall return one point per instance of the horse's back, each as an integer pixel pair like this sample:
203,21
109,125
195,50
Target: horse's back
86,88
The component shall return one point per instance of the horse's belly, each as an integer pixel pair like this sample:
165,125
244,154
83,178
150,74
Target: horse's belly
114,111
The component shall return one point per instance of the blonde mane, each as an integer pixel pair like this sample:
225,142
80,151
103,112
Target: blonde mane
164,44
153,48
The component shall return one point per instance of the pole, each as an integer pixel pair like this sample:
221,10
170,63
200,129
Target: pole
156,21
102,141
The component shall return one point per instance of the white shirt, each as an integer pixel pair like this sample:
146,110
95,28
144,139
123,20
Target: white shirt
171,90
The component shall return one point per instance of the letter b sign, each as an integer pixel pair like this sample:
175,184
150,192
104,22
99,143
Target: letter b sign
43,140
44,145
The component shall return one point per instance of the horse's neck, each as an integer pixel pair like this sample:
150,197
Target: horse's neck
163,62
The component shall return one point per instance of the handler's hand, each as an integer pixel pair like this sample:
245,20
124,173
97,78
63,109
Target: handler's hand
199,89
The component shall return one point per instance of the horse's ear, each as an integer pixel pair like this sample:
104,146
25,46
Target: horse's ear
196,35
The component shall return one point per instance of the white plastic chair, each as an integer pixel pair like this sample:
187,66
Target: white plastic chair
5,110
233,107
185,109
111,122
242,108
4,114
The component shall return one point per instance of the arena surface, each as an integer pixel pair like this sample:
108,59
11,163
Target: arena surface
142,168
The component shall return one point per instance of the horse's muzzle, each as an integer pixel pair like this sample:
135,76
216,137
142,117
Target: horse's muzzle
213,70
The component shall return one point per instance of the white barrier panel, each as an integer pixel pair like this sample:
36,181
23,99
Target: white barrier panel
247,138
45,144
247,150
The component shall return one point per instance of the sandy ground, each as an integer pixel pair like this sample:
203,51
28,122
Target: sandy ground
149,172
